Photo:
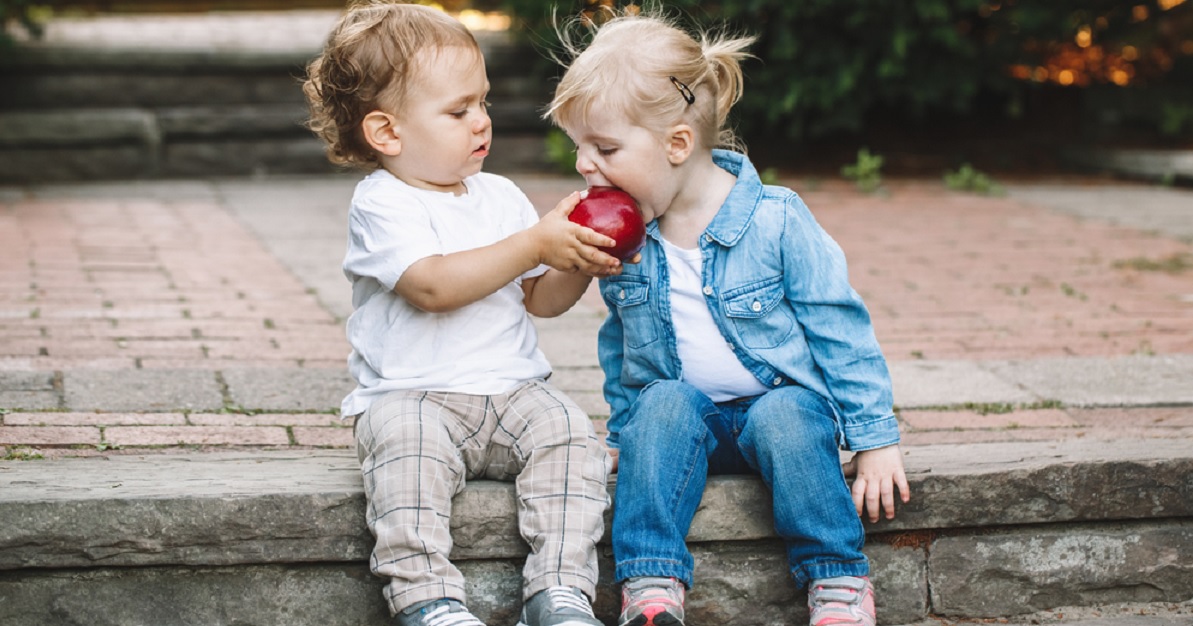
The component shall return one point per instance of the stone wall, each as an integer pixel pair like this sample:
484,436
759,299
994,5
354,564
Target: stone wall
73,113
993,530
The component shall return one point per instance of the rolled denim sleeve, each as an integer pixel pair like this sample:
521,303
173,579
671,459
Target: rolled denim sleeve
838,331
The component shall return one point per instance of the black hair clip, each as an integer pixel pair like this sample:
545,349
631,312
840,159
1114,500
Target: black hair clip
684,91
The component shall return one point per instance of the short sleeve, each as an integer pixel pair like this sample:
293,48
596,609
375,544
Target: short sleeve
387,233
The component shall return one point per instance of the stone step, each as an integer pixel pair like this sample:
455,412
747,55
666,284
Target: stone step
77,113
993,531
182,142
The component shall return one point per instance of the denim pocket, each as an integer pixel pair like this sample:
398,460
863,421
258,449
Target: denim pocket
760,313
631,297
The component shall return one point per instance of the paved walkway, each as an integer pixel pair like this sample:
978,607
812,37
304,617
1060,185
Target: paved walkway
156,317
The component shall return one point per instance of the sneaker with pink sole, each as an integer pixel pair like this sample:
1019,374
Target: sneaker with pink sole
841,601
652,602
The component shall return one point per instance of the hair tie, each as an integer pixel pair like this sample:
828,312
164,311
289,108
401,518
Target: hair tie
684,90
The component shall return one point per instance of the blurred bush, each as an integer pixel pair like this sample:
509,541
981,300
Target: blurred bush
17,14
824,66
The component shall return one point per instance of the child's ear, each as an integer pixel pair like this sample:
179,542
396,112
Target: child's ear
381,131
681,140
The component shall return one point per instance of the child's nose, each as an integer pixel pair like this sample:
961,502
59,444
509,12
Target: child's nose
482,123
584,165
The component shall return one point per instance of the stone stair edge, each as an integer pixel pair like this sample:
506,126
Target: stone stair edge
281,507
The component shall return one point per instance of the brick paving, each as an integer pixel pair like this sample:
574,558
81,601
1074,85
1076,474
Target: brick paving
115,309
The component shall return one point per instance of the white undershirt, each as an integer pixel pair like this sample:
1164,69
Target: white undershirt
707,360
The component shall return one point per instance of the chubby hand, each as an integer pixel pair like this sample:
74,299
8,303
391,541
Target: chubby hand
570,247
877,473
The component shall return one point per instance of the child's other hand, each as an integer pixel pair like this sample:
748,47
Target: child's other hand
877,473
570,247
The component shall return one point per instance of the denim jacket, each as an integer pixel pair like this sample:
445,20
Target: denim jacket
779,292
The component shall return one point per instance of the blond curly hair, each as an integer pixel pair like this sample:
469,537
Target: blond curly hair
367,65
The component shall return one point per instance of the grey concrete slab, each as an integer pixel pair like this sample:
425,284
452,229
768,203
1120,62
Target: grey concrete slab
921,384
1146,207
288,389
570,340
142,390
303,221
1116,381
28,390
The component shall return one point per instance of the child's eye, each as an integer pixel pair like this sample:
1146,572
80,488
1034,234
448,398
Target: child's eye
606,151
486,104
459,114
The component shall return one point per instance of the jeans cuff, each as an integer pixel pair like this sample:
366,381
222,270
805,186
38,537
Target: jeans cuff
805,574
657,568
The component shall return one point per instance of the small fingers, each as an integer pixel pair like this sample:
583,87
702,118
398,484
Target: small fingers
873,498
593,238
568,204
887,492
904,489
859,495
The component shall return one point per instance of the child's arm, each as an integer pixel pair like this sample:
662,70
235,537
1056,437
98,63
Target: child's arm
878,473
443,283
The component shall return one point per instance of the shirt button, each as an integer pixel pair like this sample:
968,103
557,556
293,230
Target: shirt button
621,294
777,381
708,238
732,348
757,306
708,291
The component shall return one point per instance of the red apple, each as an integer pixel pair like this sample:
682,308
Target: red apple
612,212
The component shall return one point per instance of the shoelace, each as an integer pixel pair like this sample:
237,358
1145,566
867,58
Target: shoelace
445,616
565,598
654,590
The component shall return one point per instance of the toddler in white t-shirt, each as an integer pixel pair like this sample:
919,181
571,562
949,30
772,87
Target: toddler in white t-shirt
447,263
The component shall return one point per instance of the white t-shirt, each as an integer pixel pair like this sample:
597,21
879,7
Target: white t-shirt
485,348
706,359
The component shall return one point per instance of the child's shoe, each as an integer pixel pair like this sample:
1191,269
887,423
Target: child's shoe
442,612
652,601
558,606
841,601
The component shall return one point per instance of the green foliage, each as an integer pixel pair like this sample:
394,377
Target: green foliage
822,66
21,12
969,179
561,154
1171,264
866,173
769,176
1176,118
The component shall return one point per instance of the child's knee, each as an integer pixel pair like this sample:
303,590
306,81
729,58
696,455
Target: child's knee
793,414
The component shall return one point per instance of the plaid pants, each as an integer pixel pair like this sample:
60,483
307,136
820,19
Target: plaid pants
416,450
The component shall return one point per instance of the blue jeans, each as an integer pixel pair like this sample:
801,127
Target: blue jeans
676,437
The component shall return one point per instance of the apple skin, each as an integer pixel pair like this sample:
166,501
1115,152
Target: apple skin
612,212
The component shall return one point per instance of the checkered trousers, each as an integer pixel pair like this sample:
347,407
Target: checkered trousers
416,450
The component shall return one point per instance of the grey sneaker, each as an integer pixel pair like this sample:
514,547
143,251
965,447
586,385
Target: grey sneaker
442,612
558,606
841,601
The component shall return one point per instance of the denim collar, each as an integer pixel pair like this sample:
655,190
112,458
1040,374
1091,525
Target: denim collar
735,214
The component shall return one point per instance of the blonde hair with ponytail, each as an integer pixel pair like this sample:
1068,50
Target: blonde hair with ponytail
656,73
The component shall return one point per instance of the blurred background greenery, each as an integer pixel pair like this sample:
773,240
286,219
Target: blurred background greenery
940,82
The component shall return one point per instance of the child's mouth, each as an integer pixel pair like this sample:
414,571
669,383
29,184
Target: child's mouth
482,151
